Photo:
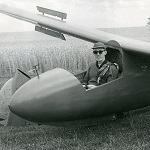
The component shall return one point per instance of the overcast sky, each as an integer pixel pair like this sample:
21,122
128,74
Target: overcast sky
88,13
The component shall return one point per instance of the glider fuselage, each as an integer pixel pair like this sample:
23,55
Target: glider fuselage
58,96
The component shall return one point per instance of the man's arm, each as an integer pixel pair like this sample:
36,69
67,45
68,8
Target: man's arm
113,72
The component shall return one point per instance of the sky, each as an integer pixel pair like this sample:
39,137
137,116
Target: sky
88,13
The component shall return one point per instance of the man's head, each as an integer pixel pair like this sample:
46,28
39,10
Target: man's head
99,51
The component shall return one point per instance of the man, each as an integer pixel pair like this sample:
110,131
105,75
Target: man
102,71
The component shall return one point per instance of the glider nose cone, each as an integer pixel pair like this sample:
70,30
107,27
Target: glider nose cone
48,98
22,106
12,106
15,107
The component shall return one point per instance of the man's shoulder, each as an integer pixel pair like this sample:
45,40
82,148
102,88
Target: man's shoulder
113,65
114,68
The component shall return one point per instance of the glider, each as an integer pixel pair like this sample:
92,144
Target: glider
57,96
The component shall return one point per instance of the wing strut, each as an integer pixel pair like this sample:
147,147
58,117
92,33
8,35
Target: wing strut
52,12
49,32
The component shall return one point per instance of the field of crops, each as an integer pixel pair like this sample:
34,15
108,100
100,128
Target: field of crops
24,50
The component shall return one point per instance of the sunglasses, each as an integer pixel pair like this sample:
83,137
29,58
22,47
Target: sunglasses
96,52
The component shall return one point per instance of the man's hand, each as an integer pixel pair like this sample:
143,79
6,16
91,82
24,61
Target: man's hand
84,85
90,86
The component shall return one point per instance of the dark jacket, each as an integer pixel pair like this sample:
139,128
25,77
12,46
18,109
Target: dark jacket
96,75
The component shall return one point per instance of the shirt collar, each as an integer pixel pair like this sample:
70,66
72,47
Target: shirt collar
104,62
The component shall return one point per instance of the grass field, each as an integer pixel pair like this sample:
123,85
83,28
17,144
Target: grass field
131,132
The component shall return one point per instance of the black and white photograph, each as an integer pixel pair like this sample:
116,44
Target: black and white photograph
74,75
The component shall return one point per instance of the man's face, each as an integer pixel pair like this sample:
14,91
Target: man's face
99,54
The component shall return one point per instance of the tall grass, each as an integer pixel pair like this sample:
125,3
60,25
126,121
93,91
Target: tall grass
24,52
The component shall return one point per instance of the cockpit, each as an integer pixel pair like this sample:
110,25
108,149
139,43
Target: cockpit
114,55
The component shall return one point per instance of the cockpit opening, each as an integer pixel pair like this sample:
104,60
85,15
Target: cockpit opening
111,68
115,56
